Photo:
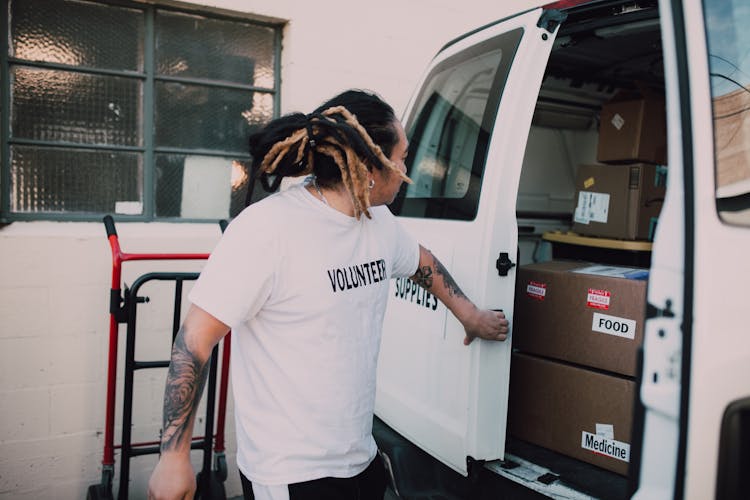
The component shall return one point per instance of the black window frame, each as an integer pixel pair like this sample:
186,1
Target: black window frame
727,205
148,75
463,208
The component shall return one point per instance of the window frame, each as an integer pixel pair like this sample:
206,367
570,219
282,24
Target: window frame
150,79
727,205
450,208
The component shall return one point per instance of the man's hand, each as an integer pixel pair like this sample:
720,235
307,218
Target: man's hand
488,325
434,277
173,479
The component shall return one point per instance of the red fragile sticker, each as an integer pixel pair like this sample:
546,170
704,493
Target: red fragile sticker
598,299
536,290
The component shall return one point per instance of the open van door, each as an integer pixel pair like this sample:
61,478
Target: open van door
696,350
468,126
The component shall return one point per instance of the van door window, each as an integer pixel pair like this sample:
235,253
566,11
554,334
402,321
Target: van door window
449,130
729,59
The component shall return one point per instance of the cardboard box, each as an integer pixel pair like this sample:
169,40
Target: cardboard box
619,201
633,127
584,313
580,413
732,167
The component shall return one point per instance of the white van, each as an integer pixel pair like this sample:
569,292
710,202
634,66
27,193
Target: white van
499,128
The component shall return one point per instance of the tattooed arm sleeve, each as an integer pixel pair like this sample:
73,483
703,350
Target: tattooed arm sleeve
434,277
188,369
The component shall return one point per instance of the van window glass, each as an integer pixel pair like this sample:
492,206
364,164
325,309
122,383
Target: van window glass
729,61
449,130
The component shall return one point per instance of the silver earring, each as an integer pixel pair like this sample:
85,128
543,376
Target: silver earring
372,184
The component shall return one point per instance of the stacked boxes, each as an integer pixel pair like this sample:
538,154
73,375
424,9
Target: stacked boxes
577,330
577,326
623,198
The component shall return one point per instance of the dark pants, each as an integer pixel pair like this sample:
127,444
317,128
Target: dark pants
369,484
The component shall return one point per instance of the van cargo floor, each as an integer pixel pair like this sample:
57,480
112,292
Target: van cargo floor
577,475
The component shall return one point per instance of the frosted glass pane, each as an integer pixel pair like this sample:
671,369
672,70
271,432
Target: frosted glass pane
201,187
77,33
75,107
74,181
200,117
195,46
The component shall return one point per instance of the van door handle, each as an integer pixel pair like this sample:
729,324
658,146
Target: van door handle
653,311
503,264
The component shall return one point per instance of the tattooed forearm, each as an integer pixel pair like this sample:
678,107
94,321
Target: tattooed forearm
185,380
450,283
423,277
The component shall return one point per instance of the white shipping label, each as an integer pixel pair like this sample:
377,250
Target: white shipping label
612,325
592,207
618,121
604,446
605,430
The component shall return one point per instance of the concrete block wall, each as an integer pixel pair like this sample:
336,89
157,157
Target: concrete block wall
54,307
55,276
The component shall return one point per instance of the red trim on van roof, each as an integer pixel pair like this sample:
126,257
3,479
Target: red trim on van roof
565,4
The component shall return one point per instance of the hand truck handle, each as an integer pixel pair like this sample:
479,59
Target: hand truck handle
109,225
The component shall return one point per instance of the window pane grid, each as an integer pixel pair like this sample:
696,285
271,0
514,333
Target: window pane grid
73,145
79,107
83,181
186,116
187,184
213,83
43,31
13,61
75,107
191,45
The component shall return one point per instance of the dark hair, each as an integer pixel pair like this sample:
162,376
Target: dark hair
372,112
338,142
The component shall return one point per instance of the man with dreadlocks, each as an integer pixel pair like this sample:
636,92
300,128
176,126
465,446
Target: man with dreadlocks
301,278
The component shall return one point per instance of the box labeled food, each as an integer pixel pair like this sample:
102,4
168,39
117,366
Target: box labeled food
581,312
619,201
633,128
578,412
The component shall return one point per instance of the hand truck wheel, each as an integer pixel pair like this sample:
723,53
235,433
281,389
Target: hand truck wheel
99,492
212,489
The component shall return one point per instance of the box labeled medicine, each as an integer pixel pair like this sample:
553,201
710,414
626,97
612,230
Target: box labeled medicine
580,413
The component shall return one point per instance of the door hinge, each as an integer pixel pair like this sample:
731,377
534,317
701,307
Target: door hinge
551,19
504,264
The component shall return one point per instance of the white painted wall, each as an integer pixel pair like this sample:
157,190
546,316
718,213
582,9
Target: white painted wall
54,277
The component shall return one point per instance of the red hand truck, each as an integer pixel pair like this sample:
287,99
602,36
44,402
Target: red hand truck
122,309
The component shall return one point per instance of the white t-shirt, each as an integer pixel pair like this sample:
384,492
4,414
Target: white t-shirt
304,289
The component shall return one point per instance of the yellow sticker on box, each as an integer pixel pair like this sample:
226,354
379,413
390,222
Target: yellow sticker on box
588,182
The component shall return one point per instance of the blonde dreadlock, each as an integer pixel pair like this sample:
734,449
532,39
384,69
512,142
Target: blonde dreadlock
336,133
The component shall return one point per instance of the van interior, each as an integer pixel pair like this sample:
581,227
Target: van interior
602,49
